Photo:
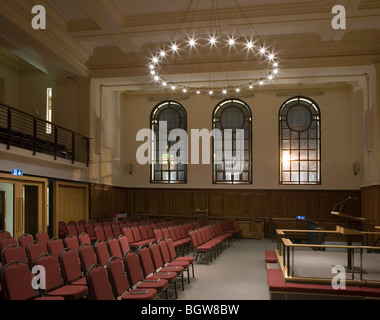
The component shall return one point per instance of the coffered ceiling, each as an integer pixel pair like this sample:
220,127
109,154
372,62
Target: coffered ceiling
112,40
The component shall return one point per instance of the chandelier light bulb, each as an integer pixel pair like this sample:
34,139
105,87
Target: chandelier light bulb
261,82
212,40
174,47
262,50
164,83
155,60
192,42
210,92
173,87
231,41
249,45
250,86
184,90
162,53
275,71
198,91
224,91
271,56
237,89
156,78
270,77
275,64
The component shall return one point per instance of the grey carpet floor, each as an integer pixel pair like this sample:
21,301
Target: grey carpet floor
238,273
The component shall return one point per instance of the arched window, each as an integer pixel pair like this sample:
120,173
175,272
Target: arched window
300,142
232,142
169,124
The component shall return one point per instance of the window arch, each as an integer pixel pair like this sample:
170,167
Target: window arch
300,142
169,157
232,142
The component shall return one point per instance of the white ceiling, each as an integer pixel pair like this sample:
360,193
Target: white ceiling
111,40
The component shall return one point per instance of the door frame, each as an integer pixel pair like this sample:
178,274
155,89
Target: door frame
18,216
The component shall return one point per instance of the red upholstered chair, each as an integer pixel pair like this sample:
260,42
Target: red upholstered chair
72,242
91,232
24,239
160,265
7,241
124,244
168,261
136,277
158,235
71,268
62,230
84,238
43,237
149,271
149,230
114,248
33,250
17,285
87,257
99,233
54,283
13,253
80,229
72,229
116,230
102,252
120,285
173,254
108,231
4,233
55,246
98,283
139,241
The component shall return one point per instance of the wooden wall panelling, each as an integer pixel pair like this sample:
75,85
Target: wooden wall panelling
215,204
140,202
167,201
153,202
199,201
230,204
246,204
183,203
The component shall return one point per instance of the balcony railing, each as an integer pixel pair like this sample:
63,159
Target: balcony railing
22,130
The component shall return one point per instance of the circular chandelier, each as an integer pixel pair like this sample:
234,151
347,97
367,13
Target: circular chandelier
216,42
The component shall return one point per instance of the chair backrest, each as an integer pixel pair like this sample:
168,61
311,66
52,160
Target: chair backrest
4,233
84,238
164,251
146,260
81,228
24,239
124,244
72,242
102,252
144,232
194,239
7,241
70,266
62,230
114,248
172,234
90,230
43,237
99,233
171,248
156,255
16,280
82,222
158,234
116,230
136,233
55,246
87,256
108,231
182,231
149,230
133,268
52,271
118,278
73,222
13,252
128,233
33,250
177,232
165,233
98,283
72,229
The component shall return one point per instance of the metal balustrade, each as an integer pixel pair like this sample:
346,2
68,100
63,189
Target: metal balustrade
22,130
